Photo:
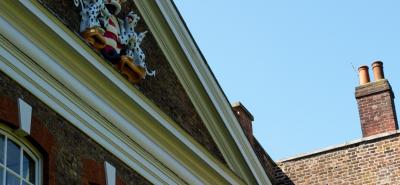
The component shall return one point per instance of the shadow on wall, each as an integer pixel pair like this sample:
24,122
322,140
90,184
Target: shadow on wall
274,172
281,178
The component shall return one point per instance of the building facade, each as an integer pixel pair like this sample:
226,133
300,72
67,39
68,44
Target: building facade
373,159
80,102
115,92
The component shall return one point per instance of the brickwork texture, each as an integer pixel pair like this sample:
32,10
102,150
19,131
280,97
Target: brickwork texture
164,89
376,108
372,162
64,146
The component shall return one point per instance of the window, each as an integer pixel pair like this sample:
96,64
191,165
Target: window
18,164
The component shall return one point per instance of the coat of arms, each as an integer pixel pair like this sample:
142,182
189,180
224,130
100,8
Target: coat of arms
115,38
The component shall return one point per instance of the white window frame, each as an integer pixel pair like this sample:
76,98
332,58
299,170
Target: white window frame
26,147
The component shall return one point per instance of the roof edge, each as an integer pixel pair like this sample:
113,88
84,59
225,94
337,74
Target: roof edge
339,146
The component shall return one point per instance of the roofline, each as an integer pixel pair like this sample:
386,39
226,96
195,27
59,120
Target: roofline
203,89
152,144
239,104
339,146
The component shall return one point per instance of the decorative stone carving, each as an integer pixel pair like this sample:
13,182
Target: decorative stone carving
115,38
90,27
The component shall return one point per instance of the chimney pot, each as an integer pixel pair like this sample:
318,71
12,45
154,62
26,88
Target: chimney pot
377,67
375,102
363,74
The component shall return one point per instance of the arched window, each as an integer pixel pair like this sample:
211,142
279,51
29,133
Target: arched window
19,164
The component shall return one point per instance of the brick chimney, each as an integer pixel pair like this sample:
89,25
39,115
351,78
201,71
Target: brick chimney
245,119
375,102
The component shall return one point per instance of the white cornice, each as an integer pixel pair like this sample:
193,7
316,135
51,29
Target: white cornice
38,82
61,70
202,88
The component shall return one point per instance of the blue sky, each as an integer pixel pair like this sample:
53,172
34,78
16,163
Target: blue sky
290,62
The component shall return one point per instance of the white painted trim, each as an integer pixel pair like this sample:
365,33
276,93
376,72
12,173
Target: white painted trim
111,173
25,117
110,73
215,94
63,104
26,147
131,155
217,130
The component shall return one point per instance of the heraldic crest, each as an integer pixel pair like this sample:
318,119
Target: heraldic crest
115,38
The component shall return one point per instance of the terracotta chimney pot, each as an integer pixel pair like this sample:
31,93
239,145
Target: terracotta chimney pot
377,67
375,102
364,74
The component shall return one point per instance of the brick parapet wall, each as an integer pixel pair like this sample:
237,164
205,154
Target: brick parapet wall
266,161
368,161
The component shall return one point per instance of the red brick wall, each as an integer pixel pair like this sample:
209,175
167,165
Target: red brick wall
40,136
368,162
376,108
94,173
266,161
65,149
164,89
